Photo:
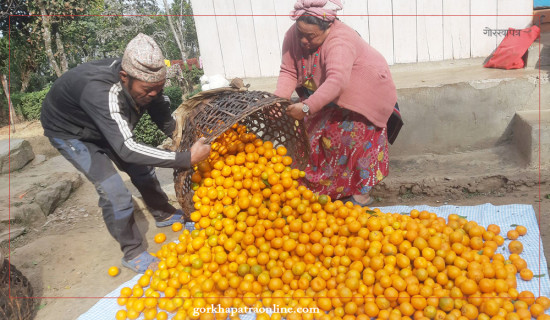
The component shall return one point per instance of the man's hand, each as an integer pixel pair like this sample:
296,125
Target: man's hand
295,111
199,151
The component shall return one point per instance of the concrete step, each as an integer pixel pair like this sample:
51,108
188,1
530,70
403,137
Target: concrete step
531,135
493,170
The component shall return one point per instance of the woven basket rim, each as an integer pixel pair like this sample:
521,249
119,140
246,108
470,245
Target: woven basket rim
187,106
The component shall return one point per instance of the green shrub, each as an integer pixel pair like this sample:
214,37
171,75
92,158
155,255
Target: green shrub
193,75
175,94
16,102
146,131
29,104
4,115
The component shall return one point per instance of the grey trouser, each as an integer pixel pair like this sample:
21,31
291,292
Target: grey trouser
115,200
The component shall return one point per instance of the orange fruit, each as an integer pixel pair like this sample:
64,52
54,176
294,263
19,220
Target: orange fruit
544,302
499,240
281,150
406,309
493,228
515,247
512,234
469,311
524,314
121,315
317,284
177,226
350,308
196,177
287,161
113,271
490,307
323,199
160,237
486,285
144,281
125,292
446,304
469,287
536,310
526,274
521,230
519,263
418,302
162,315
527,297
204,166
371,309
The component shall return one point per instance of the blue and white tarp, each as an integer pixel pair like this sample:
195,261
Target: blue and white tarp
504,216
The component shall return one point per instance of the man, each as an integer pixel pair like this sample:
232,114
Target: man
89,114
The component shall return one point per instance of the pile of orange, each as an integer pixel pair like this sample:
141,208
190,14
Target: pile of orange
263,240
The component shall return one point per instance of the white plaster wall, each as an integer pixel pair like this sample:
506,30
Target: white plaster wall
243,38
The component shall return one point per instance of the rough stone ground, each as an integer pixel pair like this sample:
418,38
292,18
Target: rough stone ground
66,257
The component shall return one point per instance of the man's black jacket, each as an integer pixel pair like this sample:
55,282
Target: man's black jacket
89,103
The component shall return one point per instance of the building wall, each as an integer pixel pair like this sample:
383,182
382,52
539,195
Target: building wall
243,38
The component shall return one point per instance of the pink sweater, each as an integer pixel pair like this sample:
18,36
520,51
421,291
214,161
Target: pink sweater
349,73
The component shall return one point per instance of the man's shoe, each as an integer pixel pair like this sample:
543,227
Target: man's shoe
141,263
178,216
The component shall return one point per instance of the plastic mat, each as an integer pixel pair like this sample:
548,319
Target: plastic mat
503,216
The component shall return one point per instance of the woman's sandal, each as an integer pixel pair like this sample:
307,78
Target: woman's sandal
141,263
178,216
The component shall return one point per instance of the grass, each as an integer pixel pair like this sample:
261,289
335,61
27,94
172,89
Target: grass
408,195
469,194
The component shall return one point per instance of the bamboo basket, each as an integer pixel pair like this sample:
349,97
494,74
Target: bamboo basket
210,113
16,301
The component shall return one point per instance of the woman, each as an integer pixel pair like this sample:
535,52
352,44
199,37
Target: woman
347,95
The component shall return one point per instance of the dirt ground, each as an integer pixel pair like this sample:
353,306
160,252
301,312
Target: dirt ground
66,259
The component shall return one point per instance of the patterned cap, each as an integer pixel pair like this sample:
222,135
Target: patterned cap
143,59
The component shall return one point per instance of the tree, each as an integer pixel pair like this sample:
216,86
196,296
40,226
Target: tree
4,81
176,31
13,26
122,21
7,23
12,7
56,18
185,27
183,30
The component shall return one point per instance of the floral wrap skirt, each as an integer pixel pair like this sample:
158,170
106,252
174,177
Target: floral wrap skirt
348,154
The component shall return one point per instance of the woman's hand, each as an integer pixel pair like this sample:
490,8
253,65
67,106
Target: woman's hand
295,111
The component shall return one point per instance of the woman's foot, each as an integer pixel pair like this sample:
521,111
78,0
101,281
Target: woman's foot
361,200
